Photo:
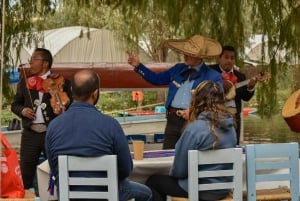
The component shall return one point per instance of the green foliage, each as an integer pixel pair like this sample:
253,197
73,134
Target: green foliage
108,102
8,93
122,100
21,18
232,22
7,115
152,21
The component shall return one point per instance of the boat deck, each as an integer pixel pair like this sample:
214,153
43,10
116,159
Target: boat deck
132,125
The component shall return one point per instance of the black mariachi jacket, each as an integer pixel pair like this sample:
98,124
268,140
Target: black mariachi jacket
22,99
242,93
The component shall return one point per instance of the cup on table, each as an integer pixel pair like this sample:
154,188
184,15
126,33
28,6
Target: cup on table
138,149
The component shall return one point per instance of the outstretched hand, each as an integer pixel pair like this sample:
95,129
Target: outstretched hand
133,59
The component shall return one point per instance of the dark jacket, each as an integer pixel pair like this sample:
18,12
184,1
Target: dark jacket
242,93
84,131
22,99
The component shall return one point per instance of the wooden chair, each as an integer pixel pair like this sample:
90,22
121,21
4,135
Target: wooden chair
106,164
269,163
220,156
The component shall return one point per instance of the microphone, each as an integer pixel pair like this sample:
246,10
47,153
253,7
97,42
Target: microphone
22,65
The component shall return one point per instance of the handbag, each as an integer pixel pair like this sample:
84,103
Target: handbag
11,178
14,124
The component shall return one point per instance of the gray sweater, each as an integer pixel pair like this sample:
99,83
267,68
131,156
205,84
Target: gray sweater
197,136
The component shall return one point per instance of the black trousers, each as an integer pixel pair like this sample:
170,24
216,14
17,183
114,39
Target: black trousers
238,127
173,130
165,185
32,145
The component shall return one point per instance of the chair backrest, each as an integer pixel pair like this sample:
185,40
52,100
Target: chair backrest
158,137
105,165
141,137
221,156
272,162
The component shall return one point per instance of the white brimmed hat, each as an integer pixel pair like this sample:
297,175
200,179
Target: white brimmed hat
196,46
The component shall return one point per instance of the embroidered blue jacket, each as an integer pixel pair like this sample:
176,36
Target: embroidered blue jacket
174,79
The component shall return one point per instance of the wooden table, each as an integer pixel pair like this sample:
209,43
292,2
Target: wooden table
154,162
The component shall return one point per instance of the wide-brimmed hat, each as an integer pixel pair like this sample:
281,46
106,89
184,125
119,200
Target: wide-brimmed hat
196,46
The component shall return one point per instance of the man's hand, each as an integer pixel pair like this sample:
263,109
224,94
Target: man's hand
57,109
183,114
133,59
227,85
28,113
252,83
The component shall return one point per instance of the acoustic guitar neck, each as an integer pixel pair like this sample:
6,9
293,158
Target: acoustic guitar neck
262,77
242,83
231,92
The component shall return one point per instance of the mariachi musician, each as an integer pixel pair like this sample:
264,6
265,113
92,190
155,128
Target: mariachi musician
230,77
40,97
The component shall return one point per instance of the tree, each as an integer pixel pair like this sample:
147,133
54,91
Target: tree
21,18
232,22
152,21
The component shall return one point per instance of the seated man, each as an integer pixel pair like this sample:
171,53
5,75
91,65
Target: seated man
84,131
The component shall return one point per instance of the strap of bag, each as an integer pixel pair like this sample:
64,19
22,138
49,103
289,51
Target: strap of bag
5,142
17,124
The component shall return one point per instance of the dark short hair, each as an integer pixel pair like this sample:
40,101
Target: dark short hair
83,89
228,48
47,56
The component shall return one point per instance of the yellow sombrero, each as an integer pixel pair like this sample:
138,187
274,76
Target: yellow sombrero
196,46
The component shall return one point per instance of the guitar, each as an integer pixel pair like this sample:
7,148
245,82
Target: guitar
232,90
291,111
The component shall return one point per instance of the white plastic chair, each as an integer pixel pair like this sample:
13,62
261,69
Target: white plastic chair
220,156
107,163
269,163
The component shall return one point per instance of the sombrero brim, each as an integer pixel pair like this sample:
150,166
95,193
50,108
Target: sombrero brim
204,49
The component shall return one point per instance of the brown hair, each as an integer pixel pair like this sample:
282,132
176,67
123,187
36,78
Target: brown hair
209,97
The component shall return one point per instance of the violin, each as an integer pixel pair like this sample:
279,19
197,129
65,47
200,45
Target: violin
59,99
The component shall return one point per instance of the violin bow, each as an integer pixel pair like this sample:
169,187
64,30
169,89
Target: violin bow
25,77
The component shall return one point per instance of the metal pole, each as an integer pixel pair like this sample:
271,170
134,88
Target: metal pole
242,126
1,76
2,58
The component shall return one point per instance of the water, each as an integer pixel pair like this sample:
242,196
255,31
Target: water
274,130
256,130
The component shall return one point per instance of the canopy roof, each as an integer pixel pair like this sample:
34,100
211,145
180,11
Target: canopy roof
80,44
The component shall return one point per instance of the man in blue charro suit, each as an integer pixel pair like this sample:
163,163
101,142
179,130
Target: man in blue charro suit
182,79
